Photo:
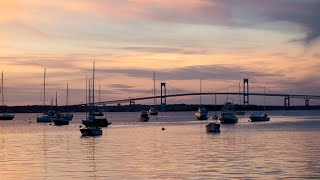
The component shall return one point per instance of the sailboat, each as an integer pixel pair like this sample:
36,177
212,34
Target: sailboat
4,116
202,113
67,116
94,119
58,119
46,117
259,116
153,111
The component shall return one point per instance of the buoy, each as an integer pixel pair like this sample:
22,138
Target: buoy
80,126
163,129
29,121
50,124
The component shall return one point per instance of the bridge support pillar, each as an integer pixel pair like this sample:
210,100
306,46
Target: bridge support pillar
132,102
287,102
245,92
307,103
163,97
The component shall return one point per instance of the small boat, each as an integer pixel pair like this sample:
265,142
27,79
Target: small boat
96,119
202,113
47,117
4,116
258,116
228,114
91,131
152,111
213,127
143,116
59,120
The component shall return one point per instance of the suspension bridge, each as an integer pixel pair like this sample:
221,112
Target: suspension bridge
245,94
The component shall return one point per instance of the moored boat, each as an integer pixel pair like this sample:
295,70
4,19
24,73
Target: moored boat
6,116
96,119
228,114
91,131
143,116
258,116
59,120
202,113
213,127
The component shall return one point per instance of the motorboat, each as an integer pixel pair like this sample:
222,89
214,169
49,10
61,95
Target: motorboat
96,119
91,131
213,127
202,113
144,117
258,116
228,113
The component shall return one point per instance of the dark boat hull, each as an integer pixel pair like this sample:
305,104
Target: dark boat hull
228,121
59,122
99,123
259,119
213,128
143,119
153,113
6,118
90,132
201,118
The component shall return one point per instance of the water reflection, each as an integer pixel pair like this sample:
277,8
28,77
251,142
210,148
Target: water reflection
286,147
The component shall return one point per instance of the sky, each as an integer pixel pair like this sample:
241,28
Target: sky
274,43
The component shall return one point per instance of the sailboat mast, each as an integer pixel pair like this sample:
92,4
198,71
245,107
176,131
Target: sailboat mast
89,98
99,93
2,92
154,89
200,93
44,87
264,98
56,99
67,97
93,86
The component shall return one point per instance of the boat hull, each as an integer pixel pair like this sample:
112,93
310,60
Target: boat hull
44,119
60,122
213,128
6,117
228,120
202,118
91,132
143,119
259,119
96,122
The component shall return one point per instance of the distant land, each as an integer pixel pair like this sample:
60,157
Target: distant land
139,107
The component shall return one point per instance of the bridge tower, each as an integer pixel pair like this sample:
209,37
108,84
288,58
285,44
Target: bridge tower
287,102
307,103
163,97
245,92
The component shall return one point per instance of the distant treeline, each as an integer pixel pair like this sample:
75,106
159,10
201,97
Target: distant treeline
139,107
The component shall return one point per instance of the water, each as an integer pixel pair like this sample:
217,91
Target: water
286,147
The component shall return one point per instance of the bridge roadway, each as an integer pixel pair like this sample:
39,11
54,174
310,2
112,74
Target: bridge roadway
128,100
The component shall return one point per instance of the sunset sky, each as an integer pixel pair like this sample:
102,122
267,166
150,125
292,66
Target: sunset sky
274,43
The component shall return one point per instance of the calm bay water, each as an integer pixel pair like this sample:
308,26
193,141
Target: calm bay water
286,147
